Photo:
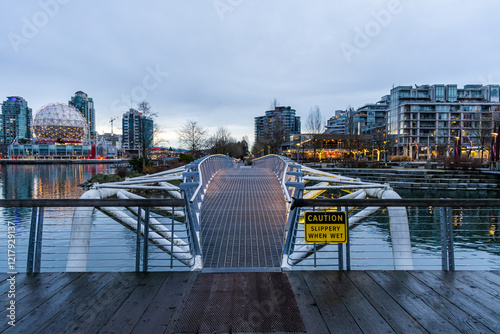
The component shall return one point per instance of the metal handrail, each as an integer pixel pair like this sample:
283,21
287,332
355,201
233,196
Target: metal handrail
72,202
200,164
421,202
184,245
280,171
449,227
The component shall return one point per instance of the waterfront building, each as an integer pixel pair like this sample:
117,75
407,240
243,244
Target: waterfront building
85,105
280,120
325,147
367,120
338,124
138,132
60,131
15,122
109,145
370,118
429,119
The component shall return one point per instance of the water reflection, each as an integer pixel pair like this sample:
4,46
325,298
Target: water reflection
41,181
46,181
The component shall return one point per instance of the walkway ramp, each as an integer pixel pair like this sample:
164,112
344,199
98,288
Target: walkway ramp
243,219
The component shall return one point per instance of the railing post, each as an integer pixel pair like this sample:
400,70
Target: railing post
138,242
444,239
348,243
341,255
146,238
172,240
38,244
31,241
451,248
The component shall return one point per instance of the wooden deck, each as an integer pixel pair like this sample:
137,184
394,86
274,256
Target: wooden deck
327,302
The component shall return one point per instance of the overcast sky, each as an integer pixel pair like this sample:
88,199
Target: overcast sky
221,62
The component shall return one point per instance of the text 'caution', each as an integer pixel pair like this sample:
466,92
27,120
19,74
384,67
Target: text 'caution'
325,226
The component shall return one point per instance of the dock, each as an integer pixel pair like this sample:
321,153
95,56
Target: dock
251,302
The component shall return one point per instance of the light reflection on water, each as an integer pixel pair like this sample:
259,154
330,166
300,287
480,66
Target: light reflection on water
58,181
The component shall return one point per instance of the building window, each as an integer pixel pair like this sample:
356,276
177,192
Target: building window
440,93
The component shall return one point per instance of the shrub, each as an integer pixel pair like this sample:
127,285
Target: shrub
122,171
185,158
461,162
400,158
149,170
139,163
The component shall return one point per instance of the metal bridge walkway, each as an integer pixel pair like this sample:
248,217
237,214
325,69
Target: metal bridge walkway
243,218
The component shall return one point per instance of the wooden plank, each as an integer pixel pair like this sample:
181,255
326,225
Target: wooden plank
311,315
460,319
75,308
481,296
470,277
106,304
158,317
489,277
420,311
392,312
21,281
3,278
57,302
333,311
366,316
462,300
36,290
127,315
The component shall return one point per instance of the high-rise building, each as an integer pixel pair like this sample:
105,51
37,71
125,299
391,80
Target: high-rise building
281,120
85,105
16,121
138,132
427,117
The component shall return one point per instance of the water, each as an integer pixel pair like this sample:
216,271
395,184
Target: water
56,181
477,242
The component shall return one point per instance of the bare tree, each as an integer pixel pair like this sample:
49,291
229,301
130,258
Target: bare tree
315,123
193,137
483,127
314,126
221,141
274,103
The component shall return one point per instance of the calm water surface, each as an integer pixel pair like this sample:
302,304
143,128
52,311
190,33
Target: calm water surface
477,236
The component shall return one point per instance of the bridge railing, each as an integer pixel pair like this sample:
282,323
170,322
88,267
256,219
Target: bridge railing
445,234
196,179
287,171
148,237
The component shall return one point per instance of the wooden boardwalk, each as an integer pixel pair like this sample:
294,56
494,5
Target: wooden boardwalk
312,302
243,218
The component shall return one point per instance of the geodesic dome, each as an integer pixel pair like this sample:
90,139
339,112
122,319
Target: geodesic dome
59,122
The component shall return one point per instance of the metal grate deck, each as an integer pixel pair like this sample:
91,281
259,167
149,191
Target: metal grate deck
243,218
240,302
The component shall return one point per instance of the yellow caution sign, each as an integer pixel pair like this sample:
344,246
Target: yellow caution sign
325,227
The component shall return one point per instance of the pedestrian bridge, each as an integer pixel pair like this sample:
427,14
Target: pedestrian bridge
238,217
